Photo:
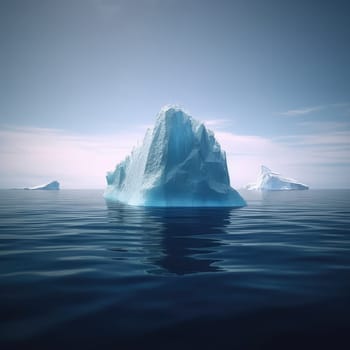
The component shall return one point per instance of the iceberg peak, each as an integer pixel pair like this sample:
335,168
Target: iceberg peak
174,107
179,163
265,170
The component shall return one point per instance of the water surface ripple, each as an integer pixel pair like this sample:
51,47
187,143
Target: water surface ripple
77,271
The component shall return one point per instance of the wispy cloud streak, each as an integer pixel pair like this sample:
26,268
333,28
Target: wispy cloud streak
301,111
216,122
29,156
34,155
313,109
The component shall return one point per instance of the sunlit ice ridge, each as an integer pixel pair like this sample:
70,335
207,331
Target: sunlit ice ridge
179,164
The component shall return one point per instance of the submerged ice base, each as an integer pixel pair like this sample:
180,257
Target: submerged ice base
179,163
271,181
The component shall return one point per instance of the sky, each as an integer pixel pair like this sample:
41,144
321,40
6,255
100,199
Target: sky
81,80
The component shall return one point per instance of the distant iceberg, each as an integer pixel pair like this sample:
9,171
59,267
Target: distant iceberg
271,181
179,163
54,185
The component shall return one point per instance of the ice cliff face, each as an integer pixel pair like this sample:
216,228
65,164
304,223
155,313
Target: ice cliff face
271,181
180,163
54,185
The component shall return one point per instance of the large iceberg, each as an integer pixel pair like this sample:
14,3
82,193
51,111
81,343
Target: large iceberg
54,185
271,181
179,163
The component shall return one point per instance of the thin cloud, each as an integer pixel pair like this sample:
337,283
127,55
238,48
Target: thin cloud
310,110
312,158
30,156
216,122
34,155
323,142
302,111
325,125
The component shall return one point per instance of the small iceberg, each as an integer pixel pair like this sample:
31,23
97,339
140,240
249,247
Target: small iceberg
52,186
271,181
179,164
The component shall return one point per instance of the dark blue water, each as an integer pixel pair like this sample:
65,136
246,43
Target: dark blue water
77,272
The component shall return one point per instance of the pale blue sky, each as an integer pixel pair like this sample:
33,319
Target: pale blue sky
274,71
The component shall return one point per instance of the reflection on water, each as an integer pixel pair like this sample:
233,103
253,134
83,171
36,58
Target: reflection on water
174,278
174,240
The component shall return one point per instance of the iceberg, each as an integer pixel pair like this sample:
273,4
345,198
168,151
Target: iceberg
54,185
271,181
179,164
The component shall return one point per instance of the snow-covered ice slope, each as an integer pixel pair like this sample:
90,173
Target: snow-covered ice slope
271,181
54,185
179,163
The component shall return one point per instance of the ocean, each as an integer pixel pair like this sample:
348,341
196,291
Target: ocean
79,272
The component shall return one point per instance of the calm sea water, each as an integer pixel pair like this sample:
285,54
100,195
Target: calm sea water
79,272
